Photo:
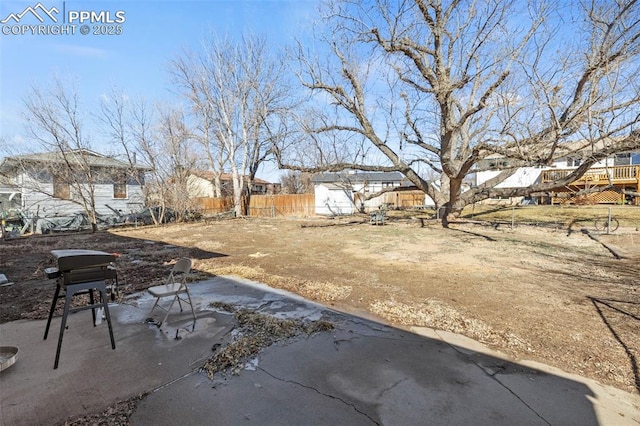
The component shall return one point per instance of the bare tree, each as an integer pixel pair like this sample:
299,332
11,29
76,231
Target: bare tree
115,118
164,143
237,93
152,150
190,73
122,121
295,182
54,121
161,140
437,87
180,159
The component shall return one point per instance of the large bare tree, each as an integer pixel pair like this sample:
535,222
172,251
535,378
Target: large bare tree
436,87
237,93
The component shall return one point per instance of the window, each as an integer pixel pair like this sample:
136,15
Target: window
573,162
622,159
120,187
497,164
61,188
387,184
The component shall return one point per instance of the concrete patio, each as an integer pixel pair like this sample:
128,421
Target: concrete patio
362,372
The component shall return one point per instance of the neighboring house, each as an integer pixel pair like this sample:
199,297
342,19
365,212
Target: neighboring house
39,184
200,185
10,196
344,193
620,170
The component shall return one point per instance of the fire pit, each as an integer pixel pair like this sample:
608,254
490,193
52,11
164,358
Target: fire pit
81,272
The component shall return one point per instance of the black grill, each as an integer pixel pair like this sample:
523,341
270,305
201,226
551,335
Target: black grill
81,272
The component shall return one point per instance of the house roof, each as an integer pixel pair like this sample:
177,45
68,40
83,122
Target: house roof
358,177
92,158
225,177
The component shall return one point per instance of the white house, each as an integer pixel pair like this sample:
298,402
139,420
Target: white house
40,184
344,193
622,164
200,185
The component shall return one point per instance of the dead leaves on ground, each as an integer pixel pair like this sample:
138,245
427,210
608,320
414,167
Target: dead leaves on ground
255,332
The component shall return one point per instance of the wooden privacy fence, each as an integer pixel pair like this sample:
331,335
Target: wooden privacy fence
282,205
303,205
215,205
404,199
264,205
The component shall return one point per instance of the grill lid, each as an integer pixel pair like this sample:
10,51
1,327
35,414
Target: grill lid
80,259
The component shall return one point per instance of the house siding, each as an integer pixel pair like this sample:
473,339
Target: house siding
343,193
614,170
36,201
332,200
527,176
202,187
199,187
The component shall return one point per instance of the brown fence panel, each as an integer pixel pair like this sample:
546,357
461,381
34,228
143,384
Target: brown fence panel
215,205
302,205
403,199
410,199
282,205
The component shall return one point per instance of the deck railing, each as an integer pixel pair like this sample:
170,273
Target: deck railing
599,175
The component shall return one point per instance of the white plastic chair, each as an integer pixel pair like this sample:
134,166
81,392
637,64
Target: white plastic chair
175,286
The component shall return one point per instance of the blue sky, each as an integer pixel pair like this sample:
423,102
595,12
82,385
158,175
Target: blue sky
135,61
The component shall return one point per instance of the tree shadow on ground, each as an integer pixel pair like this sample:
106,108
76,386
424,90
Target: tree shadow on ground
337,223
625,270
139,264
475,234
604,306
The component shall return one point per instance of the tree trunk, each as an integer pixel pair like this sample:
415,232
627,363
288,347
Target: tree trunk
453,207
246,201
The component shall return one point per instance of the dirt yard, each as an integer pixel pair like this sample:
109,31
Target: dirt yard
558,297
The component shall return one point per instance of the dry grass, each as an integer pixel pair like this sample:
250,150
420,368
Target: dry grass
117,414
563,216
436,314
319,291
526,292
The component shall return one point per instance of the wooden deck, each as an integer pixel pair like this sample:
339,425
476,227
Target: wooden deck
619,177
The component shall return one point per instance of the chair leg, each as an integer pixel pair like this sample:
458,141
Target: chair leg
179,304
154,305
191,304
169,310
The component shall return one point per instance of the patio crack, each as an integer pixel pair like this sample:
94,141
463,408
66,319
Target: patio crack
320,393
495,377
